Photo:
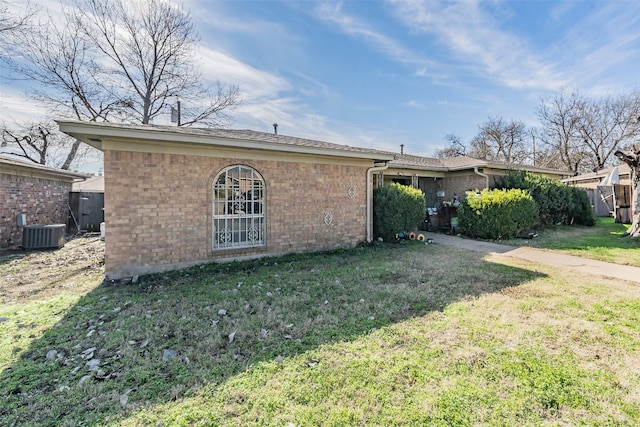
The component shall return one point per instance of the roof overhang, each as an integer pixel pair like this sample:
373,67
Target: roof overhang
97,134
22,168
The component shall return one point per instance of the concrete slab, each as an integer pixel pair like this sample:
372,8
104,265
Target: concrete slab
546,257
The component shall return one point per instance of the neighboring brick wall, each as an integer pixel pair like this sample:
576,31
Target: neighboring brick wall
158,209
43,200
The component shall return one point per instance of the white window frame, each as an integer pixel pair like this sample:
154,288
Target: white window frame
238,219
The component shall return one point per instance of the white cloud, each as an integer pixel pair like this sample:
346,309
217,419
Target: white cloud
333,14
474,35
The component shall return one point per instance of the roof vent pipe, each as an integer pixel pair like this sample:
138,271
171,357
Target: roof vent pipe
275,128
401,148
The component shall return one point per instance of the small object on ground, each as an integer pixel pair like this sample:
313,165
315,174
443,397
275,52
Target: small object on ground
528,235
279,359
168,355
222,312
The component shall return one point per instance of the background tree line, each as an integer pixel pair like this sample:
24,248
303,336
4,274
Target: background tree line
575,133
105,60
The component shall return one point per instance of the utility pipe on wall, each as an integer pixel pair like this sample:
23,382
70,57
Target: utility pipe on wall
486,177
370,173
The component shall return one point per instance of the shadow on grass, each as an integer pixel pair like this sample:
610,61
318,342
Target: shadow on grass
129,346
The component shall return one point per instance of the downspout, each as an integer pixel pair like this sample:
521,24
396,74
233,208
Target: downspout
370,173
486,177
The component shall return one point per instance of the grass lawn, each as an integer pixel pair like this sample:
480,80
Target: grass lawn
400,334
605,241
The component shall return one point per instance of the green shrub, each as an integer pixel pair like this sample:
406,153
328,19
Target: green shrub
397,208
557,202
497,214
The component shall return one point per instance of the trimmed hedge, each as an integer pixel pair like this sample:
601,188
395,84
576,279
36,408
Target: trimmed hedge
557,202
396,208
497,214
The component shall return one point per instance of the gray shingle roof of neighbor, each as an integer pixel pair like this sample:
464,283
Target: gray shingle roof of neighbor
94,184
623,169
9,162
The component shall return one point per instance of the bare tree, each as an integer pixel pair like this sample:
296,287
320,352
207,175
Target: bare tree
500,140
560,121
41,143
119,60
11,22
608,124
631,156
147,59
455,149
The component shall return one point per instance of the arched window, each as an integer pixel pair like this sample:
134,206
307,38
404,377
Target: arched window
238,208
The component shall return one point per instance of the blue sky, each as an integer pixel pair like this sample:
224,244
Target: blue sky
383,73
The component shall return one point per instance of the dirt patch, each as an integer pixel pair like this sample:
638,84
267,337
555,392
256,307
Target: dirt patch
26,274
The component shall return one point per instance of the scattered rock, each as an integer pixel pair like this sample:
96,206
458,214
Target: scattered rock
89,351
51,355
91,332
168,355
117,310
232,336
288,337
134,279
93,364
3,319
63,388
290,325
326,302
269,294
312,363
372,318
279,359
186,360
101,375
361,299
132,342
144,343
84,379
124,398
222,312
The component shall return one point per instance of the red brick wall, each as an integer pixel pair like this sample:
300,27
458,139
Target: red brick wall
43,200
158,209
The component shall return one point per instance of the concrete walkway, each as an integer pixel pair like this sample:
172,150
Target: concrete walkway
555,259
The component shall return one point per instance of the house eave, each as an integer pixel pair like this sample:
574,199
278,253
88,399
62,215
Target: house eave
94,135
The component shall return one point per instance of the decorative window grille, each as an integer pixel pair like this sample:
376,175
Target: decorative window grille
238,209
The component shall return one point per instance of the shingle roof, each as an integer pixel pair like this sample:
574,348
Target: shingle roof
94,184
13,163
623,169
173,132
416,161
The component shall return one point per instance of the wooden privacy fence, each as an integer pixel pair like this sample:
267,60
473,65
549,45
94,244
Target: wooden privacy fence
622,194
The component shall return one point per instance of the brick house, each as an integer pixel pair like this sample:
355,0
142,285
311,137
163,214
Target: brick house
40,192
175,197
442,179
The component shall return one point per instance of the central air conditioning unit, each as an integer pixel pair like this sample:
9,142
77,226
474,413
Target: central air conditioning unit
43,236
